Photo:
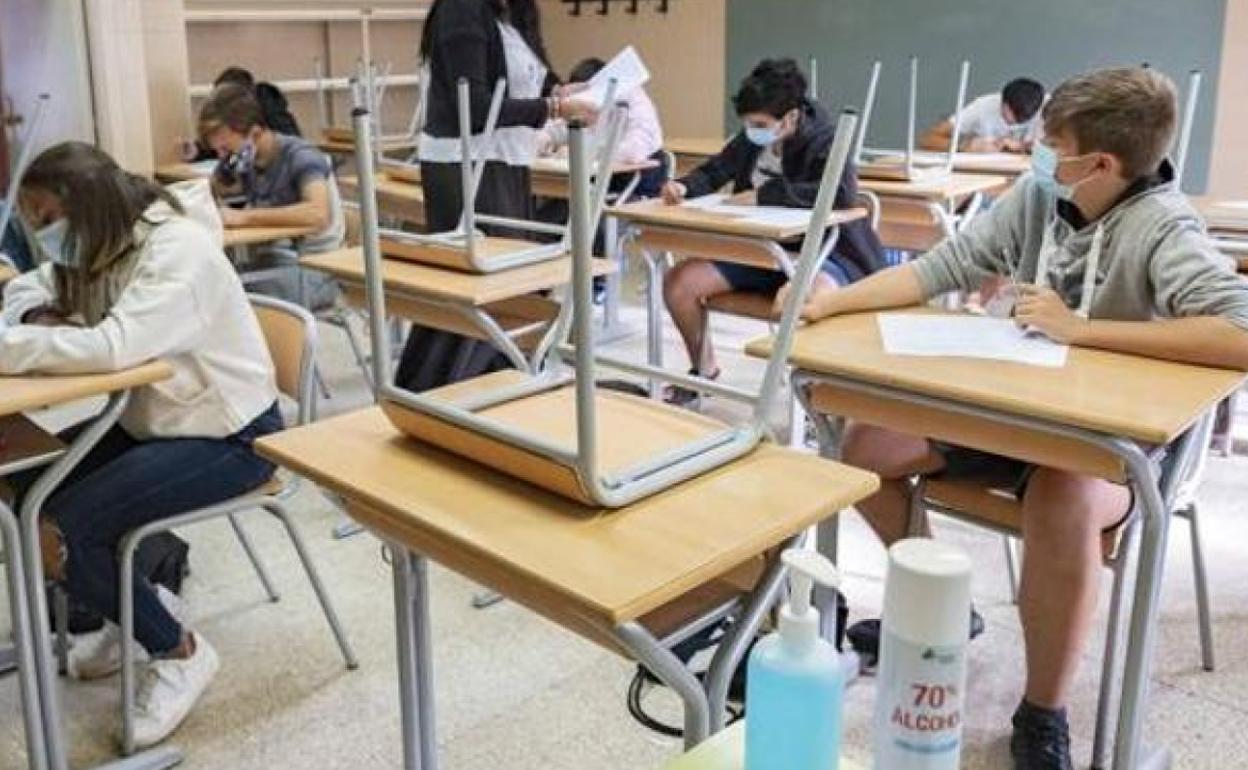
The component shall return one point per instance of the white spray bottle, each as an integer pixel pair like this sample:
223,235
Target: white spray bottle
922,670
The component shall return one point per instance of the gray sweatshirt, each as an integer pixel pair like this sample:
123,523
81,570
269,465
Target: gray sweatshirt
1155,261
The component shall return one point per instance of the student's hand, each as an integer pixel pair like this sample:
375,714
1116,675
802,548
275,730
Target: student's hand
232,217
568,89
816,306
582,110
1043,310
45,316
745,198
1013,145
983,144
673,192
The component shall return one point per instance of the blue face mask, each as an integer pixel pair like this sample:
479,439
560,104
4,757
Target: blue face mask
52,239
762,136
1044,163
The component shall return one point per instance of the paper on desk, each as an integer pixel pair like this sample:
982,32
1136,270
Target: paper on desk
781,216
628,71
967,336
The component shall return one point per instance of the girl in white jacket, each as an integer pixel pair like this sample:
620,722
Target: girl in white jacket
129,277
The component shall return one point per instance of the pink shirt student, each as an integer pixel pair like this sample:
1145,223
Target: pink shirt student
642,137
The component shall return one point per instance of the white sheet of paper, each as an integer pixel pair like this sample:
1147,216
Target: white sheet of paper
204,167
628,71
705,201
781,216
967,336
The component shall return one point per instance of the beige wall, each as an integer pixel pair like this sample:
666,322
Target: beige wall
1228,172
684,50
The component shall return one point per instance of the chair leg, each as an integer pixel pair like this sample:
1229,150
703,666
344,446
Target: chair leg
357,349
1011,565
1201,578
1105,723
331,615
125,597
321,385
245,541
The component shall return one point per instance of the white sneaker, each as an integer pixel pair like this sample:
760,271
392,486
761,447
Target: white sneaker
169,689
98,654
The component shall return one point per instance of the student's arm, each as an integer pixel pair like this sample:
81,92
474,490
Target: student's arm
718,170
26,294
1193,284
1202,340
312,211
163,311
895,287
938,136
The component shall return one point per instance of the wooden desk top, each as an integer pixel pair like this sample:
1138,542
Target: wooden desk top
726,751
955,187
254,236
1011,164
22,394
387,185
609,566
656,212
182,172
557,165
1147,400
452,285
1223,214
703,146
347,146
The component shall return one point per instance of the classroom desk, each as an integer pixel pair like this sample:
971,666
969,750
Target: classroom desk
345,145
607,575
502,307
397,198
238,237
915,216
37,675
692,151
1064,418
1227,221
726,751
656,229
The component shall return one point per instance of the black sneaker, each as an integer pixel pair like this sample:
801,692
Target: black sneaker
1041,739
864,637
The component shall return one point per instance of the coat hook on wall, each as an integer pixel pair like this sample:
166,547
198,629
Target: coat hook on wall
604,6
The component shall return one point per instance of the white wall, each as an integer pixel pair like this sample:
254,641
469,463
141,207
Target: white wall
43,49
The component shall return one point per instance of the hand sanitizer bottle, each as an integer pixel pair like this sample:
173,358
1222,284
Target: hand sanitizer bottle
921,683
795,684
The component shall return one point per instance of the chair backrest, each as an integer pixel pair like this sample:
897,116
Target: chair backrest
290,333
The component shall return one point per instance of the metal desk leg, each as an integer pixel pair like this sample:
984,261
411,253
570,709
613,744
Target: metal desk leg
654,314
1155,528
45,675
732,648
411,608
671,672
23,645
614,279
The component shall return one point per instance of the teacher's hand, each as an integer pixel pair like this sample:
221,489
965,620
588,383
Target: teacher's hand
581,110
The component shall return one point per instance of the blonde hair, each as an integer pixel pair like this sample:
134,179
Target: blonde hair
1128,112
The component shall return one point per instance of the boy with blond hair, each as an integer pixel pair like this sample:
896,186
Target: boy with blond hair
1114,258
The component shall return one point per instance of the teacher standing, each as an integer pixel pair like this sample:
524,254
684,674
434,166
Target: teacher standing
481,41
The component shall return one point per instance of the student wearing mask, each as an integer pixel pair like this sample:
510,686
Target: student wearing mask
1116,259
481,41
777,159
274,109
128,276
1008,121
285,181
641,139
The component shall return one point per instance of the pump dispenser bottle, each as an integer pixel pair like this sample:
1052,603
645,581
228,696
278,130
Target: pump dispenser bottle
795,684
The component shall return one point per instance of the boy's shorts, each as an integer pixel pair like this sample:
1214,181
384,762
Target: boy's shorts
761,281
997,471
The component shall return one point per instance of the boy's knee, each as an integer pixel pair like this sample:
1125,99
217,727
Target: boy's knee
1062,502
890,454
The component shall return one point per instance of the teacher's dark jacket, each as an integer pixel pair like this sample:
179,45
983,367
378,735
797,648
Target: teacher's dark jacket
464,41
802,160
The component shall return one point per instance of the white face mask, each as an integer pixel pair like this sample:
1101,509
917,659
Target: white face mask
52,238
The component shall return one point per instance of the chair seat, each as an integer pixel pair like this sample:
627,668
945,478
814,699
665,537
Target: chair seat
748,304
986,504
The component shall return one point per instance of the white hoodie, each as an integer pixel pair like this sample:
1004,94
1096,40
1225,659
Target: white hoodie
182,303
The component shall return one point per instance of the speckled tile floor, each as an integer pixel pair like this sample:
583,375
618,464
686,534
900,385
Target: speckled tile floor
515,692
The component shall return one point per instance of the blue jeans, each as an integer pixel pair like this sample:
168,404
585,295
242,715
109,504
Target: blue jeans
123,484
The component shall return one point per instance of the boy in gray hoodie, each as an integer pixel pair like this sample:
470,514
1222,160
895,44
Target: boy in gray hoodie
1111,256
